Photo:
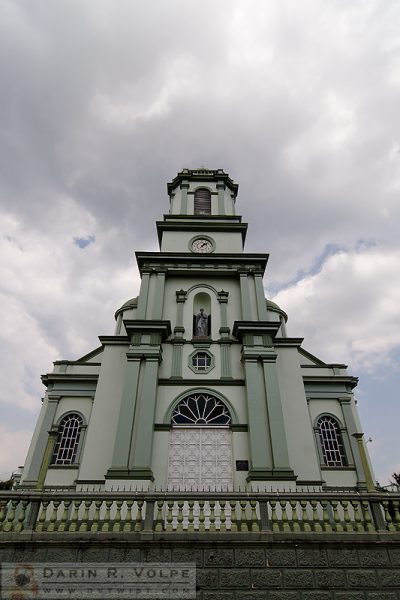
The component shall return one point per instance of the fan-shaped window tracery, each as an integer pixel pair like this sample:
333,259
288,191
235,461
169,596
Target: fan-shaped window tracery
201,409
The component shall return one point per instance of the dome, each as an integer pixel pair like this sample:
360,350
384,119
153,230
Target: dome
273,307
132,303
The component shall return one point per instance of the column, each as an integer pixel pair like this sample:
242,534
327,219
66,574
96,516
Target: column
159,299
126,416
260,297
142,439
226,369
245,296
51,403
143,296
275,417
178,341
260,448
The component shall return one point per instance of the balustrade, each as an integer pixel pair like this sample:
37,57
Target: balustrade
196,513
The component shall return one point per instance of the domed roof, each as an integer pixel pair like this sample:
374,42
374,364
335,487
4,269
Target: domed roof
272,306
132,303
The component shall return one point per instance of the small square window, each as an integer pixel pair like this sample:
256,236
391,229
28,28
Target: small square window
201,361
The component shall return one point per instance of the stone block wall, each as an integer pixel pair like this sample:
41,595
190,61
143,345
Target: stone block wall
273,570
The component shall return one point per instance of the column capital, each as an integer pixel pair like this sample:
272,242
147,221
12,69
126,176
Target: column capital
181,295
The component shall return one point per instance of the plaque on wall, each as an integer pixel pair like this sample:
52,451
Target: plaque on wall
242,465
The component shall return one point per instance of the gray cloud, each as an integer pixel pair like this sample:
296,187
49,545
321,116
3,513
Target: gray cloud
101,103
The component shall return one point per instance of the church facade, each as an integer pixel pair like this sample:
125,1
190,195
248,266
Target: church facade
200,387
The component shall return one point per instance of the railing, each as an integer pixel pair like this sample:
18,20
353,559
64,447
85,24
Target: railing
198,513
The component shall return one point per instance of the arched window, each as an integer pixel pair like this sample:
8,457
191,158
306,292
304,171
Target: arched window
201,409
66,446
331,440
202,202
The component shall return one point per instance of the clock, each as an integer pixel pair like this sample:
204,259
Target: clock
202,245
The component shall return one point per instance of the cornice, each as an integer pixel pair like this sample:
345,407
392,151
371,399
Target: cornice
148,326
241,328
202,225
189,263
348,379
57,377
202,175
198,382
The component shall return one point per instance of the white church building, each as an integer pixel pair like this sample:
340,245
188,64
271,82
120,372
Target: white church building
201,386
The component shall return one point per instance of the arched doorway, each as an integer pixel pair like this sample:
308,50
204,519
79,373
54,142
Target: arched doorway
200,447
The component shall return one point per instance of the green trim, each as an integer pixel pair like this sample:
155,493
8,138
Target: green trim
270,474
187,263
57,467
162,426
238,427
248,327
133,326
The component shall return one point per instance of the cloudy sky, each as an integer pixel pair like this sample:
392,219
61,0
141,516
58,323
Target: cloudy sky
103,102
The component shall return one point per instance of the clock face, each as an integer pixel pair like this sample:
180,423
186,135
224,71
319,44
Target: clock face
202,245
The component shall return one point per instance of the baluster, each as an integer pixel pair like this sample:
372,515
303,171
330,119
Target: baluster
117,519
85,519
19,526
396,514
388,517
304,516
254,521
222,516
212,515
139,516
325,516
159,517
285,520
128,516
3,512
75,515
295,518
53,516
179,519
190,526
274,516
336,518
64,517
42,517
232,504
316,524
107,516
357,515
96,516
368,523
243,520
348,525
170,516
202,516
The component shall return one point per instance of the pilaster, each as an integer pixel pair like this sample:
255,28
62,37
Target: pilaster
245,296
51,403
184,197
48,453
143,296
159,298
221,197
351,427
260,297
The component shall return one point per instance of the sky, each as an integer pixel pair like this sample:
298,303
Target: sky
103,102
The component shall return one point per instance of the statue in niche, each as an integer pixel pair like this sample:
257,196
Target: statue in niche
201,324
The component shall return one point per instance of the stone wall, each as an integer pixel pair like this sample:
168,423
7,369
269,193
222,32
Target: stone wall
284,570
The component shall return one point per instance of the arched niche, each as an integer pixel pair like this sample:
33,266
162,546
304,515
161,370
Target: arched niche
201,304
